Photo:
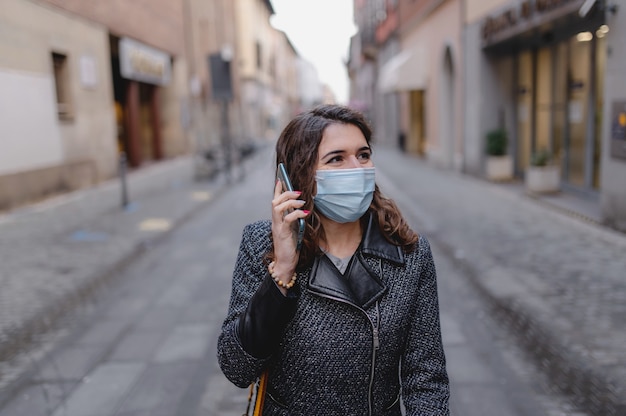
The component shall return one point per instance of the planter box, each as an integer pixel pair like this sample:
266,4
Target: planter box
499,168
543,179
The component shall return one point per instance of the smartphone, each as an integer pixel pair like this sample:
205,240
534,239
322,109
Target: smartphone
281,174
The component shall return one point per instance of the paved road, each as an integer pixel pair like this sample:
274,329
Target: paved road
146,344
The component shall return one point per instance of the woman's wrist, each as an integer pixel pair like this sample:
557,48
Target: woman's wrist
283,279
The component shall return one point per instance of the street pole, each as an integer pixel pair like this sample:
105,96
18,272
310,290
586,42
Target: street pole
122,171
221,85
226,145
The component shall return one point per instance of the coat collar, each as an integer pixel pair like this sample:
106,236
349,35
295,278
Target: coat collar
361,284
376,245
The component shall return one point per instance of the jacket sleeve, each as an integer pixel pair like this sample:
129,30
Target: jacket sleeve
424,378
257,313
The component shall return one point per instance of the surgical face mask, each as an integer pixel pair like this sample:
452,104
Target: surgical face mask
344,195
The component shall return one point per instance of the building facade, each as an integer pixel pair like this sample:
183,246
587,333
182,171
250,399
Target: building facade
211,45
56,109
148,68
414,60
309,85
83,83
363,62
80,84
243,77
387,115
257,45
429,77
547,72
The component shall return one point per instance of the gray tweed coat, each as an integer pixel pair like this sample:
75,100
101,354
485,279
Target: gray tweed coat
357,343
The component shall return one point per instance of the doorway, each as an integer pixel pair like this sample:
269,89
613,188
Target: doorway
137,111
417,128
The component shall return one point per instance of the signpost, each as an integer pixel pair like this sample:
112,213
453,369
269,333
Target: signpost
221,84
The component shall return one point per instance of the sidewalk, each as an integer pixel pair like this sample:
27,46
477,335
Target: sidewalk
554,276
564,201
57,253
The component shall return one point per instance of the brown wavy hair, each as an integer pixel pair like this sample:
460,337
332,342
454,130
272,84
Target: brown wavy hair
297,147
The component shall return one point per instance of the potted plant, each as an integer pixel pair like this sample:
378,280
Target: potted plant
499,165
543,175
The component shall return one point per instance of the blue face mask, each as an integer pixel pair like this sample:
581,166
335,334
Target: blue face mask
344,195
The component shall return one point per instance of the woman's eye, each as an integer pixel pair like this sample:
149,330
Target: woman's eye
335,159
365,156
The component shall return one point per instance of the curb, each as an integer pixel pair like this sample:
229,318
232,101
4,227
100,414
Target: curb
582,217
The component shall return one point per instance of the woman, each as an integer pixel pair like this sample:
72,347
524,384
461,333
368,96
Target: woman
349,324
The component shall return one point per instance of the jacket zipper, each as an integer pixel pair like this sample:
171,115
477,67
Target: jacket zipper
375,342
376,345
374,350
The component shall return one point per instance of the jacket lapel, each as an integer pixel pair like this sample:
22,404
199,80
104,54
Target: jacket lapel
327,280
361,285
374,243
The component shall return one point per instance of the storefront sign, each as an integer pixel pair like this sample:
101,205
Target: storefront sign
618,130
523,16
143,63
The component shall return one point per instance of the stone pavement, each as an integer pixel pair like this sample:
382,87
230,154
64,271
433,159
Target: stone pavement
557,280
56,253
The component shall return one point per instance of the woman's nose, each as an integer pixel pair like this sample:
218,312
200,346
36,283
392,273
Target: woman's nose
353,162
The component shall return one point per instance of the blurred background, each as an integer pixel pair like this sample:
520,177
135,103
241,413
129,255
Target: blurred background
136,140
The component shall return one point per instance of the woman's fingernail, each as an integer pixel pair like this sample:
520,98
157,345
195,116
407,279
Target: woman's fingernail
306,211
298,192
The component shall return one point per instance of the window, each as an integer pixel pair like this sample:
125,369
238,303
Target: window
61,83
259,57
273,66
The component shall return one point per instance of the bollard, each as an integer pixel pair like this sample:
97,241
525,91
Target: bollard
123,168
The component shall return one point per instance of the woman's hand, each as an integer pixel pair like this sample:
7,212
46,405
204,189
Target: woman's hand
283,231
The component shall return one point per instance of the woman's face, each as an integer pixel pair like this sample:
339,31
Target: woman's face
343,146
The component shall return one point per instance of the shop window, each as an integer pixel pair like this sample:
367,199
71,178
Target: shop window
61,83
579,92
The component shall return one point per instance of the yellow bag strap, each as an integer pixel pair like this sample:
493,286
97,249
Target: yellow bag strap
250,394
260,386
260,395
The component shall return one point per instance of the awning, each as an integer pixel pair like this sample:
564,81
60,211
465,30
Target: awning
404,72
